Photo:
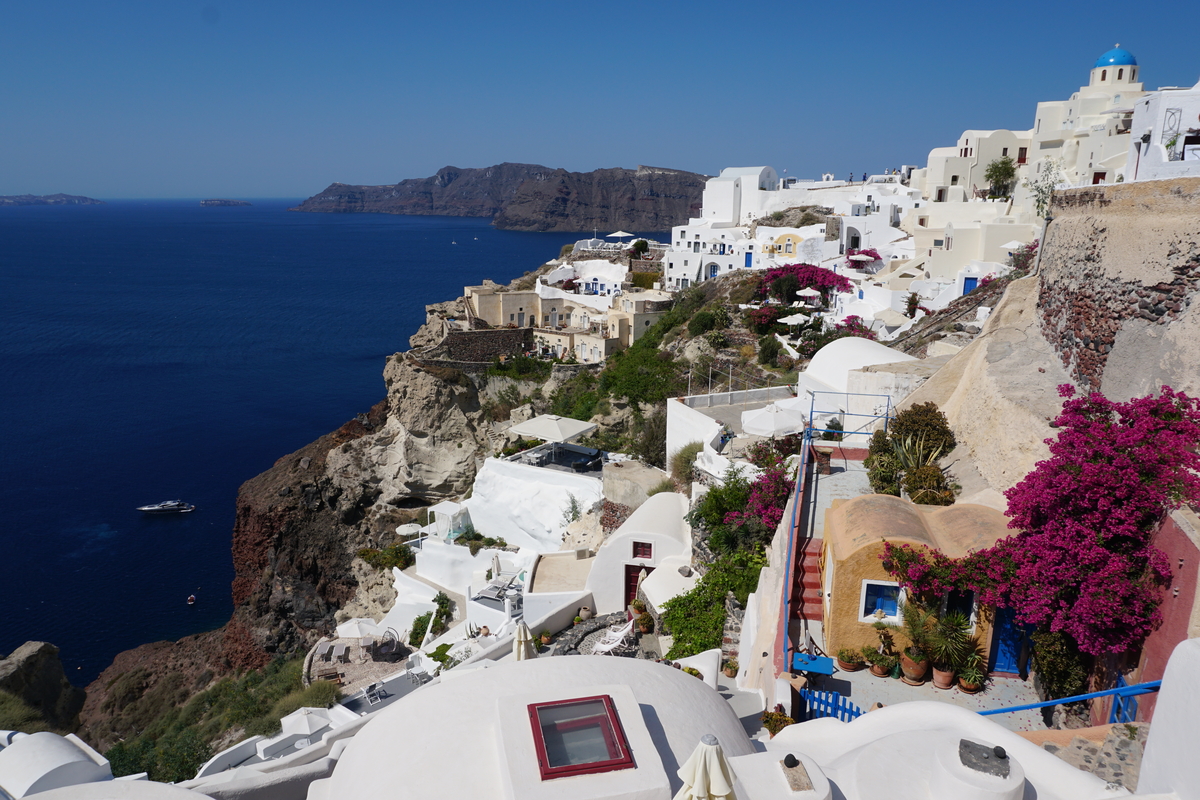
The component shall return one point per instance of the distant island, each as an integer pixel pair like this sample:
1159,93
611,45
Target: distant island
216,203
48,200
530,197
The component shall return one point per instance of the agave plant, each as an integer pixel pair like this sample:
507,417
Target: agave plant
913,453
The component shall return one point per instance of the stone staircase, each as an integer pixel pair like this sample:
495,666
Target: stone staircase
808,579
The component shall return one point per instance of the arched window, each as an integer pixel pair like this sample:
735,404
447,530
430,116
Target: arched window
1103,74
1120,73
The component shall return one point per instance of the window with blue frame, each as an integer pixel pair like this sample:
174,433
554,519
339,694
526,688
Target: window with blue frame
880,596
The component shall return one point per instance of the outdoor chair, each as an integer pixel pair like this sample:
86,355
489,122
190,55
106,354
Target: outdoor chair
417,674
612,639
373,694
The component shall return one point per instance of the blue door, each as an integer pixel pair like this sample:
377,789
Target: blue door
969,285
749,259
1006,642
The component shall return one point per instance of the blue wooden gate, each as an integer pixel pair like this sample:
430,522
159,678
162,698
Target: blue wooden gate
969,285
818,703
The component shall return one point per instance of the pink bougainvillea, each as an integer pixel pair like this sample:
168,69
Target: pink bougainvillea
874,254
1083,562
808,277
768,498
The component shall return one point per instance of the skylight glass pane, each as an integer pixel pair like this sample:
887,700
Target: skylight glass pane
577,733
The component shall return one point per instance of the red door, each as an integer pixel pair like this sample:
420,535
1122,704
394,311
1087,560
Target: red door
1098,178
631,580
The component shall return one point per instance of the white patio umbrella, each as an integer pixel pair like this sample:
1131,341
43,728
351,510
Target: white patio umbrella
305,721
523,648
495,565
358,627
800,404
794,319
1013,245
861,257
553,428
772,421
809,292
620,235
706,774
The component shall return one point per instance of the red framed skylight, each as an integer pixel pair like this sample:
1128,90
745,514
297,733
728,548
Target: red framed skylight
581,736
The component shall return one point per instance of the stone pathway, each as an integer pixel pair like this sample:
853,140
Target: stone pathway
1117,760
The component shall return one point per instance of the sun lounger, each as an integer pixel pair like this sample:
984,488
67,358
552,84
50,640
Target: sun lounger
323,651
612,639
340,651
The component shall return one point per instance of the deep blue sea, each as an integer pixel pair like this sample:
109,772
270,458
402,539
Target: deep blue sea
158,350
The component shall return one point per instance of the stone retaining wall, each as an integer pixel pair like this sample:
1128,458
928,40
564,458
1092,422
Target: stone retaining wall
732,634
486,345
1120,268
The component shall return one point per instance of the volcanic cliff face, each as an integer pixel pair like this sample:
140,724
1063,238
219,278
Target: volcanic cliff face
530,197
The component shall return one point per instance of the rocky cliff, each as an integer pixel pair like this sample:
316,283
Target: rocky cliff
530,197
1111,309
34,673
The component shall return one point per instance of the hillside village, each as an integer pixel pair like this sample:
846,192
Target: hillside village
814,499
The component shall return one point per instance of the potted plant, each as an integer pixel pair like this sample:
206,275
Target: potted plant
775,721
882,664
971,676
949,644
577,620
693,672
915,625
645,623
545,635
849,660
637,605
731,668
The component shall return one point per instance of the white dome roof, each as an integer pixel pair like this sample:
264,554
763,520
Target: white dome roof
832,362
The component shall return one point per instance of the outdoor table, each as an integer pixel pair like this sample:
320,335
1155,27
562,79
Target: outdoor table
803,662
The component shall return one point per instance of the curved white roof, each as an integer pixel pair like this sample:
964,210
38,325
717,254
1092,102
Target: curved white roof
662,514
446,740
832,362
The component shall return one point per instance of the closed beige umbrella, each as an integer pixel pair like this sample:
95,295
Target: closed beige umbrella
523,643
706,775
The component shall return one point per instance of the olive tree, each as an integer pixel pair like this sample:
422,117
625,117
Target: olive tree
1000,174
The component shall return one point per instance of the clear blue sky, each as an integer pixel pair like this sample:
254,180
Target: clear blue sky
209,98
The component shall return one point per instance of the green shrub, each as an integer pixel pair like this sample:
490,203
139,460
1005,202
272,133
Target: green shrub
1061,669
665,485
521,368
696,620
768,350
683,461
775,721
398,555
642,374
640,246
833,432
576,397
566,250
650,439
716,339
884,473
644,280
17,715
923,421
419,626
701,322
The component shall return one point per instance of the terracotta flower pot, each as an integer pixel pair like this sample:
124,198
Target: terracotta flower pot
969,688
546,640
880,671
914,671
846,666
943,678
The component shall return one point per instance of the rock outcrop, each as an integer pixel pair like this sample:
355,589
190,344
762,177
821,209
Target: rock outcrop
1110,310
48,200
34,673
530,197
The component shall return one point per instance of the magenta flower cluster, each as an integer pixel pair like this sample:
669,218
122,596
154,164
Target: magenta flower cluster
1083,561
853,326
809,277
850,251
769,495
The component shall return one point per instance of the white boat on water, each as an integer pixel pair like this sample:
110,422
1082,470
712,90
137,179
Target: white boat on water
168,507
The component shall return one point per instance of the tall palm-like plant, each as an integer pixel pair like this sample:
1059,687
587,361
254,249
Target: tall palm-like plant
950,640
916,624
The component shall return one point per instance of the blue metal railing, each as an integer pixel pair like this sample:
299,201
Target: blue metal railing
1120,692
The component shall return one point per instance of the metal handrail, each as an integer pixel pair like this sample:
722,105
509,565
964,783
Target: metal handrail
1121,691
